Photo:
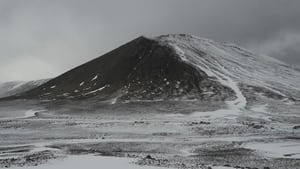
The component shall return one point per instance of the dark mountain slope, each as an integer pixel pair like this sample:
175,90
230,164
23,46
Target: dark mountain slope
143,69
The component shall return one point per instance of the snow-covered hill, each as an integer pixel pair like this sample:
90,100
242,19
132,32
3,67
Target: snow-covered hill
175,67
235,65
16,87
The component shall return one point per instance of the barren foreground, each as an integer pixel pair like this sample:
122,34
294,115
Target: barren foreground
175,134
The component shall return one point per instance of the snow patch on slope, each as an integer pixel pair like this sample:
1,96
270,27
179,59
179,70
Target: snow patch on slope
94,91
95,78
81,84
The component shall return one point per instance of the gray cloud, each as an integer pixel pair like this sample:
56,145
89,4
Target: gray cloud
283,46
41,38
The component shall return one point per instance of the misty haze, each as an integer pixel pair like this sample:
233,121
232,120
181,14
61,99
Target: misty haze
136,84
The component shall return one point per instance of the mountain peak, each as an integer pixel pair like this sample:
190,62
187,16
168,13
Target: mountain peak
143,69
173,66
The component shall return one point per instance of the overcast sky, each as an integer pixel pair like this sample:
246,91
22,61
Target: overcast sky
44,38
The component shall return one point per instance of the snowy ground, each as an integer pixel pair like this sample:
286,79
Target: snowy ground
176,135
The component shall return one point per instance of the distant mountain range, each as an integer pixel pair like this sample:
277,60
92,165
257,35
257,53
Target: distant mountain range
15,87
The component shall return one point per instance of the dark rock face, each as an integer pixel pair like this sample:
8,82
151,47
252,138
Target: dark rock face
142,69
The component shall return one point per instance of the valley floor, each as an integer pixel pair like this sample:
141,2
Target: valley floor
265,134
